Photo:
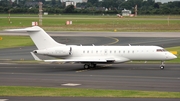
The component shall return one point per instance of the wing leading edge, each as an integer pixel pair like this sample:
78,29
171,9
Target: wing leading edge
85,59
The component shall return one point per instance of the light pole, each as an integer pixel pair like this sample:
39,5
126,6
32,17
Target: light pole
40,13
9,16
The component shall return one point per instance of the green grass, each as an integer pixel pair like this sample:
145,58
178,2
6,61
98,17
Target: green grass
15,41
95,23
75,92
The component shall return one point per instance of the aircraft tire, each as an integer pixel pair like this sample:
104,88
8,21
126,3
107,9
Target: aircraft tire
86,66
161,67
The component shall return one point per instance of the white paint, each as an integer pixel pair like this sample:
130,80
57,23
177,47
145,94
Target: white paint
3,99
70,84
6,63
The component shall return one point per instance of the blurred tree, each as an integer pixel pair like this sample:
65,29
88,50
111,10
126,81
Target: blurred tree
93,1
69,9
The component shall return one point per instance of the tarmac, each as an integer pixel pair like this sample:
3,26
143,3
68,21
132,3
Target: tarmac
126,76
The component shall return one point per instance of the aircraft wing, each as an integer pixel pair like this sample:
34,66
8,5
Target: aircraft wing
77,60
86,59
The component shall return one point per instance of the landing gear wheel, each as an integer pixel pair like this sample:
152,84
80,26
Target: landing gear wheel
93,65
86,66
161,67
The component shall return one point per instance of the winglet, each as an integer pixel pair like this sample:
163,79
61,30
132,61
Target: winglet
35,57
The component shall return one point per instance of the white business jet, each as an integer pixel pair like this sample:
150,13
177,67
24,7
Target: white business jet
92,55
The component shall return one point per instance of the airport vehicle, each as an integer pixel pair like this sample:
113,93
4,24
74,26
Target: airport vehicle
92,55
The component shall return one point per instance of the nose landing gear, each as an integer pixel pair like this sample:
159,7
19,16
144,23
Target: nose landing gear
162,65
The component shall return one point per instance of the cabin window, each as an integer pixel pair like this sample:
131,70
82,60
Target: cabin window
114,51
119,51
109,51
160,50
96,51
87,51
83,51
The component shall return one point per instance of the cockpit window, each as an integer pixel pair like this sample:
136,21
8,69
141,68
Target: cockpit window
161,50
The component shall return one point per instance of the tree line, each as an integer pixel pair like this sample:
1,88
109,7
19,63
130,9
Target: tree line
145,7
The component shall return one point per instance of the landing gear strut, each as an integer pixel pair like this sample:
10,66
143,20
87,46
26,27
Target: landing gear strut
89,65
162,65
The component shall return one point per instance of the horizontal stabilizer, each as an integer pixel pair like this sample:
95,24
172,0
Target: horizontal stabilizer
40,38
29,29
35,57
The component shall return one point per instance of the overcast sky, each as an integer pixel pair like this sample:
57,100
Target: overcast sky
163,1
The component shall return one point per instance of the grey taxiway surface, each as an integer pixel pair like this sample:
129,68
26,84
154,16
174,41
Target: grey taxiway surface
117,76
122,77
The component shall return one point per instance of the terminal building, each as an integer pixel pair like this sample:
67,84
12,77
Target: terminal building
126,12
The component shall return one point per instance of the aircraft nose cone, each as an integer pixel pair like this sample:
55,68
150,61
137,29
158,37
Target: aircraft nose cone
173,56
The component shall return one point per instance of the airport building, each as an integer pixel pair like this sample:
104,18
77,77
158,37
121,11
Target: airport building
126,12
67,3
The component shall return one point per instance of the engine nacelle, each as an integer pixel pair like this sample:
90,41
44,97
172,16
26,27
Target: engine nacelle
55,51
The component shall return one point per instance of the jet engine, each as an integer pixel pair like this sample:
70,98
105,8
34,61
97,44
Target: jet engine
55,51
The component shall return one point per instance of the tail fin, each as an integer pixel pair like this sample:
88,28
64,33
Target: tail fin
40,38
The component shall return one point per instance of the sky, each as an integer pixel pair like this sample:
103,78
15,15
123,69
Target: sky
163,1
74,0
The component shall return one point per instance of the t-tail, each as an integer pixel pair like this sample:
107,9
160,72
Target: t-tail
40,38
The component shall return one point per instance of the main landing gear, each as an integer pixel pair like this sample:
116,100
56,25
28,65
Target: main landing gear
162,65
89,65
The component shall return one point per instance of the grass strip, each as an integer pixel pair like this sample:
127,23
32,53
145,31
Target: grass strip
15,41
95,23
75,92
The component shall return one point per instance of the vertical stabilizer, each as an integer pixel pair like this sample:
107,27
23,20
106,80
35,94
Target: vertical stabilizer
40,38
